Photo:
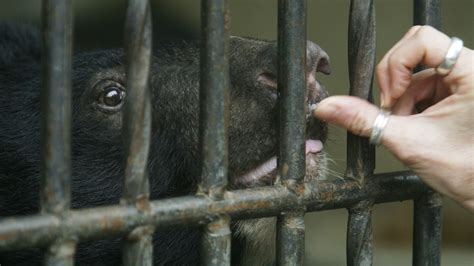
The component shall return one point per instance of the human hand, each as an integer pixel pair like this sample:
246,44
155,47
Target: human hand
431,129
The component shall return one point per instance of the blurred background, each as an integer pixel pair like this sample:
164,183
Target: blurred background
99,24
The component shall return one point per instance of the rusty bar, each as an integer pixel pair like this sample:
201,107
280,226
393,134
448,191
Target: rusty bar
56,123
427,12
214,96
427,216
214,113
360,155
216,242
292,90
292,87
138,248
360,234
101,222
427,229
292,234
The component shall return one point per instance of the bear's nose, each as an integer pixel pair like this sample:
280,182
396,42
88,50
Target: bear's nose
317,60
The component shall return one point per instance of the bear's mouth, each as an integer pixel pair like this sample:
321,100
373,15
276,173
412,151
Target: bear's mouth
266,173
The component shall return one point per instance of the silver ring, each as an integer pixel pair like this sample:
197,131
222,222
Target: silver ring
451,57
378,127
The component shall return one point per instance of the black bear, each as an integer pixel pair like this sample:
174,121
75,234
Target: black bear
97,152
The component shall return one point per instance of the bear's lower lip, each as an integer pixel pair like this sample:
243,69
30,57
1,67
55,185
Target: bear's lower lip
266,172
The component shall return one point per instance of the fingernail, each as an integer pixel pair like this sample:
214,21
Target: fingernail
324,108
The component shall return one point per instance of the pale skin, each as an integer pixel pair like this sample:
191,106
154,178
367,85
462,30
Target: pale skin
431,129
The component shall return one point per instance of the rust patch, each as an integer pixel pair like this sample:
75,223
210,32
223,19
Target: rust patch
142,203
113,224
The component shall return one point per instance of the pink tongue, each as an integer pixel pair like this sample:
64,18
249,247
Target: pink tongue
313,146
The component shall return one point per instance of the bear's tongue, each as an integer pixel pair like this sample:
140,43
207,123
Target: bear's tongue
313,146
265,173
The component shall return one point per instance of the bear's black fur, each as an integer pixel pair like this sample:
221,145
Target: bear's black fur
97,152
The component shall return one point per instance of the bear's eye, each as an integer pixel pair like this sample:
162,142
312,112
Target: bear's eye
113,96
110,98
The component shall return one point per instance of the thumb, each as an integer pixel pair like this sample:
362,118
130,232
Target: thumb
351,113
358,116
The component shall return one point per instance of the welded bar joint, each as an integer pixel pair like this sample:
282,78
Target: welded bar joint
138,248
56,123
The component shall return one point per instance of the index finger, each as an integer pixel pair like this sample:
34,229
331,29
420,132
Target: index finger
426,46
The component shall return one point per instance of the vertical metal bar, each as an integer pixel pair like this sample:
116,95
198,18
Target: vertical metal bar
216,242
138,248
290,238
427,217
427,12
214,96
427,229
214,112
56,122
292,89
360,155
359,234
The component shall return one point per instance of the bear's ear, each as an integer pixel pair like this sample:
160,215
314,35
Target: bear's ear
19,43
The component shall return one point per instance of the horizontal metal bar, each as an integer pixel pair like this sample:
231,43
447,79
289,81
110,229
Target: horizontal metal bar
95,223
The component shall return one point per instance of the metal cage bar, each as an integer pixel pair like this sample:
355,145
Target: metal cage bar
56,123
214,108
101,222
360,155
138,248
427,216
292,90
